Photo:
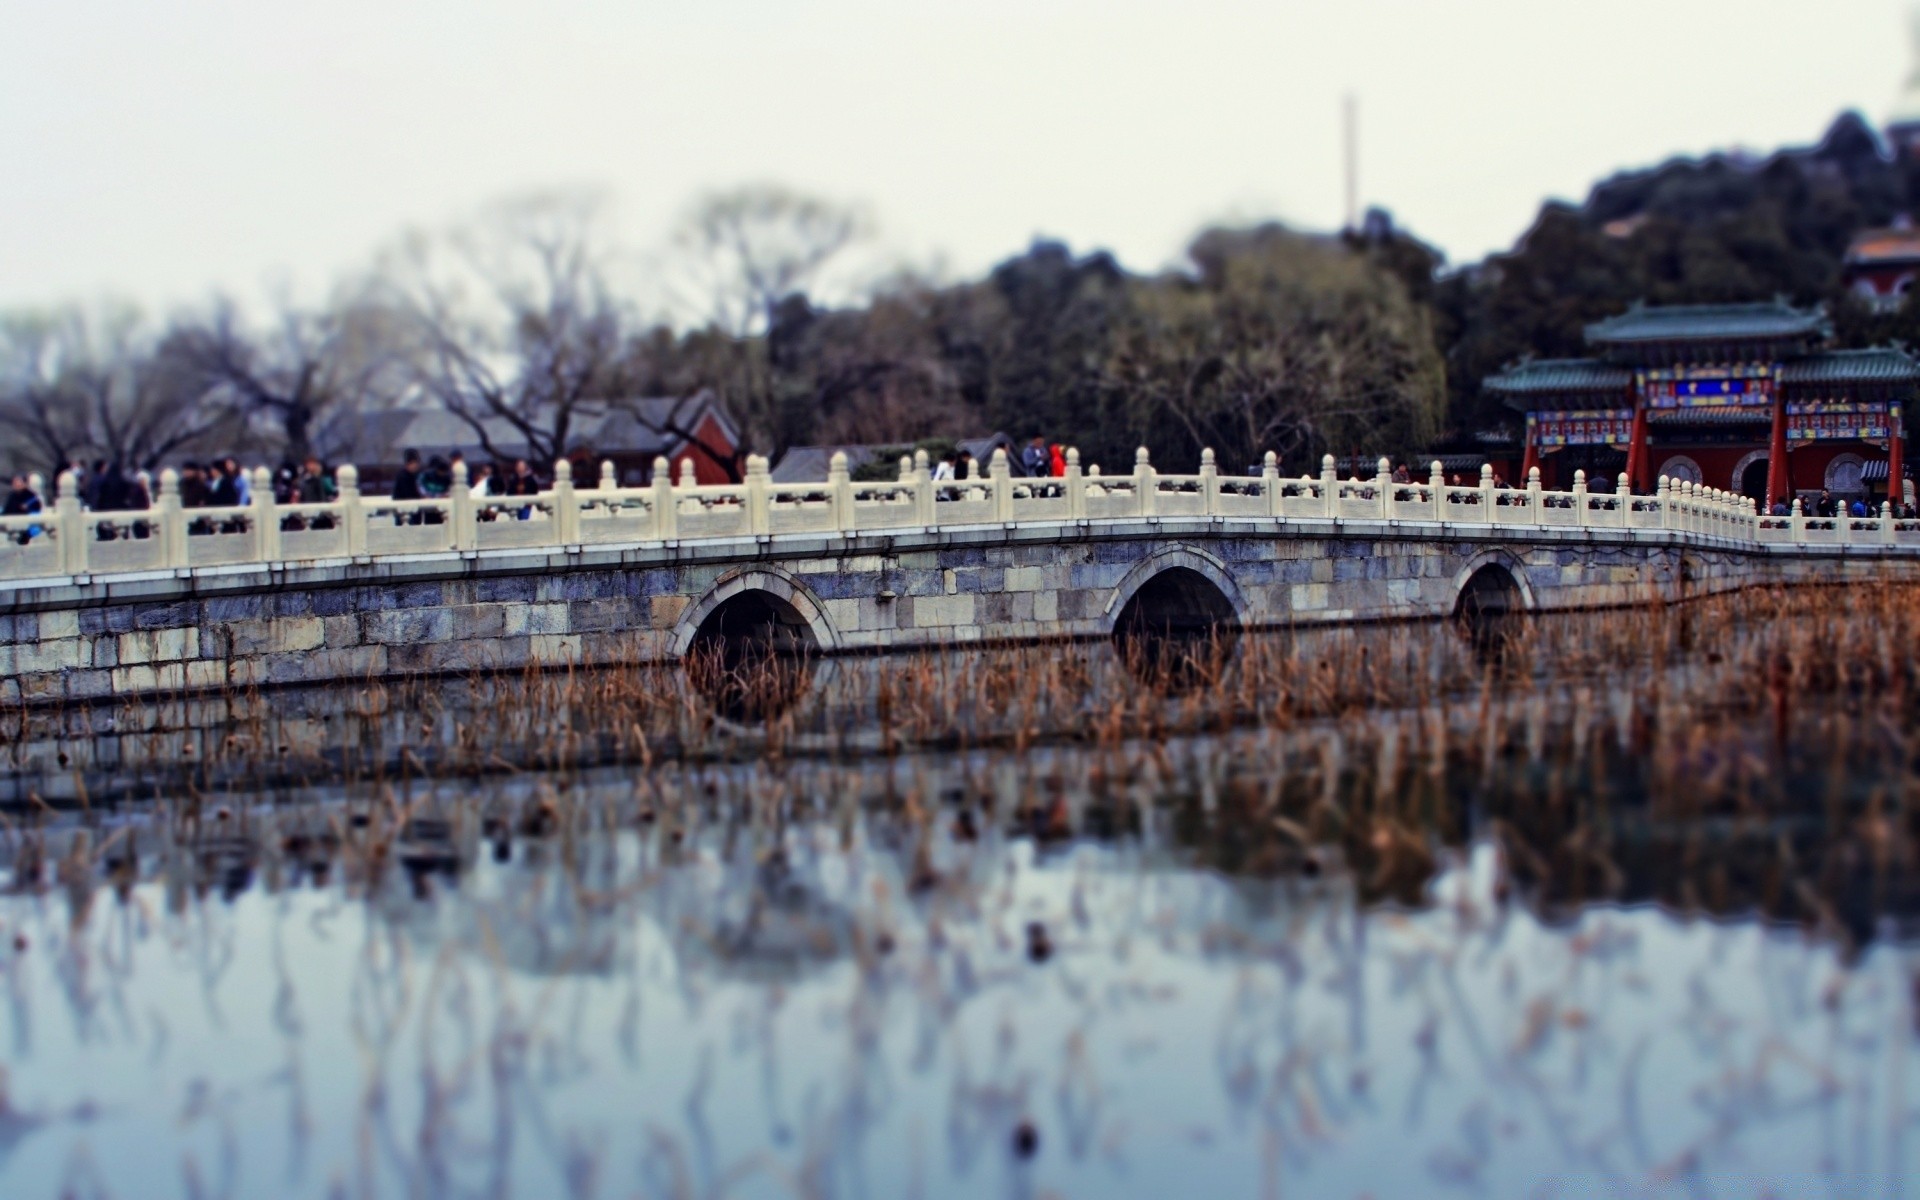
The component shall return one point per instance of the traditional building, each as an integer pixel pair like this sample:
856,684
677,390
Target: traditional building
1743,397
1881,265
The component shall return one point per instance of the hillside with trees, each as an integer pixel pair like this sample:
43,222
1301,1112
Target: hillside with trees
1266,338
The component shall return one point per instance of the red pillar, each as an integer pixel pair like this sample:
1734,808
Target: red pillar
1779,482
1896,456
1637,466
1531,458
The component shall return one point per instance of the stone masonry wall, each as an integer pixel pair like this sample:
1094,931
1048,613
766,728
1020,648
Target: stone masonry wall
236,627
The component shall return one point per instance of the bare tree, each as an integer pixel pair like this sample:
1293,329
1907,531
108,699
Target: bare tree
77,384
306,367
514,329
517,331
752,247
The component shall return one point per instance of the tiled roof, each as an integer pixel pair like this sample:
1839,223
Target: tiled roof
1881,364
1704,322
1560,375
1884,246
1717,415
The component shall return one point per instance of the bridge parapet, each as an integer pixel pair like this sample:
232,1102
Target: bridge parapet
71,543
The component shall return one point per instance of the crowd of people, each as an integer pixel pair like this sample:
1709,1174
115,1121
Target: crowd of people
221,483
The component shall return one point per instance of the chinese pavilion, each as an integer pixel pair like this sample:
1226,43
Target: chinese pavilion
1738,396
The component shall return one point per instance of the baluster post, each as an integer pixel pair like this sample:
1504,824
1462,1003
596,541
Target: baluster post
1270,482
1437,490
1000,472
1076,487
1383,487
1579,497
72,523
466,526
1329,487
172,521
353,514
1143,483
1209,483
923,512
1486,493
266,517
1533,495
666,507
759,519
566,507
1665,495
1886,521
840,491
1797,522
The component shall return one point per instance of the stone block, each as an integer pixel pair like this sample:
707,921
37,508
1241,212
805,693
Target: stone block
536,619
134,679
106,651
298,633
340,631
63,654
404,626
89,685
663,612
1307,597
166,616
555,648
1022,579
235,608
599,616
1046,607
982,579
505,589
844,615
337,602
943,611
293,603
206,674
479,621
59,625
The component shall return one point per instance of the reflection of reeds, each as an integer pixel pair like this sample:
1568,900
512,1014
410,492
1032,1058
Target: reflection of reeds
1738,752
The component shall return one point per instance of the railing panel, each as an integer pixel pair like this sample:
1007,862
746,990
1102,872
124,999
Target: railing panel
29,547
624,516
1112,499
1179,500
1301,498
1241,498
298,545
128,542
962,502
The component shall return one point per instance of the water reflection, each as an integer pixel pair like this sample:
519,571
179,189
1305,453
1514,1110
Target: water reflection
1359,916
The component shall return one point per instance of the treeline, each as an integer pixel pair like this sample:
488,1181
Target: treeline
521,324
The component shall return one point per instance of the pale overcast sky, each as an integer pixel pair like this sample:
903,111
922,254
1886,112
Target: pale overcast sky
160,149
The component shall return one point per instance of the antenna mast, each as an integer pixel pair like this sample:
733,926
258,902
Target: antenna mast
1350,120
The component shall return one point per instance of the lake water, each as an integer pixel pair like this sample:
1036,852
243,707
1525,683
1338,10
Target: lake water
1623,909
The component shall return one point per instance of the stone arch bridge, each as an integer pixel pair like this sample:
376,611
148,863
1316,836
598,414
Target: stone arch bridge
169,600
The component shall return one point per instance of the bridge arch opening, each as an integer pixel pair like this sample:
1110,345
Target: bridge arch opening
1491,611
751,655
1177,630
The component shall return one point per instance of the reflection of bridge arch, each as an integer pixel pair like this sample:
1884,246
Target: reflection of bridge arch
1178,586
758,596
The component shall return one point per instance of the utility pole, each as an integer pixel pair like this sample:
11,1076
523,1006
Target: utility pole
1350,114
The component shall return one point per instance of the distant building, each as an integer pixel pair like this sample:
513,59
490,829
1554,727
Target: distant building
1741,397
630,434
1881,264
